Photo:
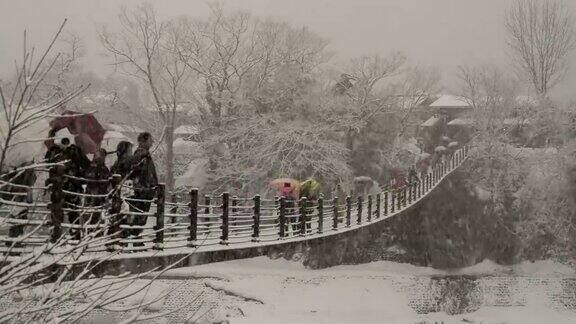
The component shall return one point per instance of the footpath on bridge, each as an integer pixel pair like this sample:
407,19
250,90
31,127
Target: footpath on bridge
203,224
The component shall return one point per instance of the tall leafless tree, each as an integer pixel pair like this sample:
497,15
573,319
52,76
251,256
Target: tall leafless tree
144,48
540,35
24,103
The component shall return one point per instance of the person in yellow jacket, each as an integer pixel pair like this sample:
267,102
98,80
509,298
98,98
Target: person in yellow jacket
310,189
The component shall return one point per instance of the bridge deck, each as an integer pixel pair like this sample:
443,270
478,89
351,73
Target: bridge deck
208,222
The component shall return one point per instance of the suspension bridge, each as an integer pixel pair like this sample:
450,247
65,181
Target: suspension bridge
201,224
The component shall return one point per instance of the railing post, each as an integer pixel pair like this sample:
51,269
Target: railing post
399,199
348,210
420,184
159,228
385,202
335,213
256,225
303,205
193,216
392,198
359,210
225,218
405,194
320,214
378,204
282,217
410,187
207,203
115,208
55,181
234,212
369,209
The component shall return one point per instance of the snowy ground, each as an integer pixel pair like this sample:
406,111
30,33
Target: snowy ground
262,290
281,291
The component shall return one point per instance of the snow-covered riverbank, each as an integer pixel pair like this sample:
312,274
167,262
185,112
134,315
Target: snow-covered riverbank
281,291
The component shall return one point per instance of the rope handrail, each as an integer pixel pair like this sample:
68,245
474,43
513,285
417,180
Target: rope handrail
229,219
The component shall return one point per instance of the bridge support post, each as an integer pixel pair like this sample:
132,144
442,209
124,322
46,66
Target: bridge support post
378,204
193,216
348,210
320,214
225,218
359,210
282,217
369,209
159,228
256,225
405,193
234,212
385,203
56,180
207,202
419,189
115,208
303,207
335,213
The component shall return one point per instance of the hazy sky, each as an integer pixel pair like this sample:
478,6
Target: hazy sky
443,33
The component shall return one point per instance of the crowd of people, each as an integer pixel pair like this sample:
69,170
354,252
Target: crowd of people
76,181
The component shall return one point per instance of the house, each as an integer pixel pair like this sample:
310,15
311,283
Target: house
187,132
450,106
128,130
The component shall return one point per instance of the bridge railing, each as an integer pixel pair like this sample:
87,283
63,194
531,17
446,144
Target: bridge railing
198,220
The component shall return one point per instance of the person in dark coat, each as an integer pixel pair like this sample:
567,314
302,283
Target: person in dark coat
18,193
145,181
413,176
56,181
123,164
97,184
76,164
123,167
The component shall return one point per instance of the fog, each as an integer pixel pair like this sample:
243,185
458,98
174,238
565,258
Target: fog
441,33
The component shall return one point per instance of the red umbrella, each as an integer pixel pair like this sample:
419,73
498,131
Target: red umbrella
287,187
87,129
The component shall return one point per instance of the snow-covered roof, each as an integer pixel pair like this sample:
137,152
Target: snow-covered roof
461,122
114,134
183,147
195,175
526,100
516,121
179,108
430,122
123,128
450,101
187,130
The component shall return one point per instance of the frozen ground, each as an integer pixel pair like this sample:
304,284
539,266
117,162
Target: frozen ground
281,291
